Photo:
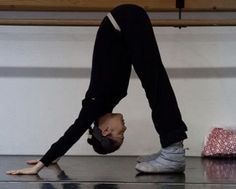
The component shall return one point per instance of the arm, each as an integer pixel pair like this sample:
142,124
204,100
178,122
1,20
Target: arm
60,147
90,111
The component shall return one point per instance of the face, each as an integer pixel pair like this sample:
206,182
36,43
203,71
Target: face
113,126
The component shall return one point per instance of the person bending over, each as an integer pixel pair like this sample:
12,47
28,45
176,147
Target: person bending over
124,39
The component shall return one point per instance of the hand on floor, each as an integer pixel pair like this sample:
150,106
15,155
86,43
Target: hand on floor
25,171
29,170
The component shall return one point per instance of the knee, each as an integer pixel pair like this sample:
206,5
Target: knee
129,10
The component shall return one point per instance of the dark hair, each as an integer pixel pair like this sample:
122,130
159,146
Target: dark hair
101,144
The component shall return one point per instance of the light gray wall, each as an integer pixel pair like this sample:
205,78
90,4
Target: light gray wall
44,73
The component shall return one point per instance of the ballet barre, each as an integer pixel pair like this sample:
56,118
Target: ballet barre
177,6
96,22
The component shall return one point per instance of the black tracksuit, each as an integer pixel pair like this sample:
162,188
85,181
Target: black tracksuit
115,52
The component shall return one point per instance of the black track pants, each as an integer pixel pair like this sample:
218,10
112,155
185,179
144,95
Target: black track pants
134,44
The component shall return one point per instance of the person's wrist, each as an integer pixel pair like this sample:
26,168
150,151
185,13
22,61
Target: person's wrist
38,166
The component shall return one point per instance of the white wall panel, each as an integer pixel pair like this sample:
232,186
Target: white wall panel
35,111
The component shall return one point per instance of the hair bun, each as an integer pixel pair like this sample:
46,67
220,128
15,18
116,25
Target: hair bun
90,136
90,141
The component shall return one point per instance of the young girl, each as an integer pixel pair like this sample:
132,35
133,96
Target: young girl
125,38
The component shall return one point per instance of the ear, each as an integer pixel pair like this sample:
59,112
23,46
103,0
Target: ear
106,131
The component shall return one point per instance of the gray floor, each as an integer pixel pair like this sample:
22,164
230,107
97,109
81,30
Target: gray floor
107,172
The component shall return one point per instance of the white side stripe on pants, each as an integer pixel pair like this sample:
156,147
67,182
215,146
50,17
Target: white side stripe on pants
113,21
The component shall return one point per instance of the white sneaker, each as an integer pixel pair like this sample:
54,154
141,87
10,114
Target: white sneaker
170,160
146,158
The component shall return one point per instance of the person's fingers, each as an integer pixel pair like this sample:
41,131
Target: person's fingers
14,172
8,172
31,162
17,172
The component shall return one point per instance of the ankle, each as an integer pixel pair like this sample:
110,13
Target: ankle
176,144
177,147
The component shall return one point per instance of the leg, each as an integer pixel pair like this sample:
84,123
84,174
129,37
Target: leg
110,70
144,55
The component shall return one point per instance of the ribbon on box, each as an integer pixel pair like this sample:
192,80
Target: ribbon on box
220,143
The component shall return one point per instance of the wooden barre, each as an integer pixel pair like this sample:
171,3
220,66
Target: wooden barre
93,22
